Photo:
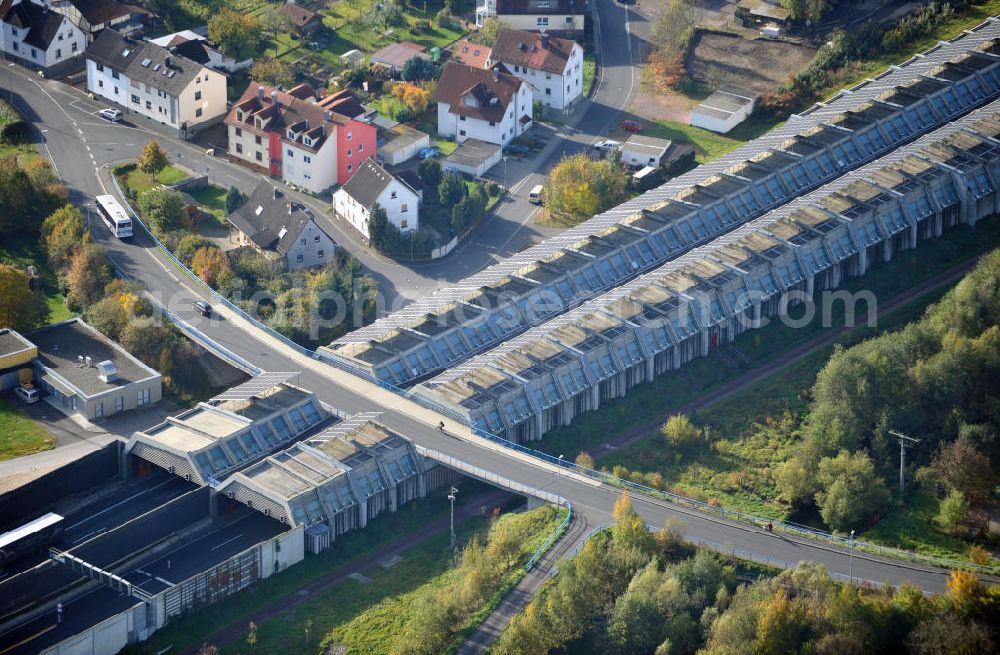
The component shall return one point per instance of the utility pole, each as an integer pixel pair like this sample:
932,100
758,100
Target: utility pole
850,566
451,497
904,443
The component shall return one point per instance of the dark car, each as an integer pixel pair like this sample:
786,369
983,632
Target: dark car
518,149
202,307
631,126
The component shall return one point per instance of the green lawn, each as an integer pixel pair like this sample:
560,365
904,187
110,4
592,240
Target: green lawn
707,145
446,147
24,153
20,435
25,251
589,72
141,182
213,200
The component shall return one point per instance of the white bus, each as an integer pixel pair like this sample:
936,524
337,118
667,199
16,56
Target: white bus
114,216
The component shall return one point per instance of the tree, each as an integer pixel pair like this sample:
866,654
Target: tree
109,315
163,209
585,460
272,72
15,295
944,633
252,636
145,338
580,187
952,512
850,492
430,174
234,199
153,158
62,232
382,234
794,481
236,33
212,266
418,69
189,245
672,30
488,33
680,432
959,466
452,189
89,273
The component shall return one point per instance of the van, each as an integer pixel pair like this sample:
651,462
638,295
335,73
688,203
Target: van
29,395
535,195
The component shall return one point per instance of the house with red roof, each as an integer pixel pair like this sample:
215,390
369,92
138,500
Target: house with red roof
292,137
471,54
551,65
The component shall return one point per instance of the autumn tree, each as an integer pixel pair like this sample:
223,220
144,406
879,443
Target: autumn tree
89,273
153,158
62,233
236,33
585,460
212,266
109,316
145,337
960,467
272,72
19,307
580,187
680,432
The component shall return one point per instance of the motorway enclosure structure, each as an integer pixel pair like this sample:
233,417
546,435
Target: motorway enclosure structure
830,139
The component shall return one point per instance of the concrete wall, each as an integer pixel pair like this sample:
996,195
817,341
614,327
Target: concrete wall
108,636
279,553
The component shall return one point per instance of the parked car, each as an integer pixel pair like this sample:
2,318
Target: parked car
428,152
113,115
202,307
518,149
631,126
607,145
29,395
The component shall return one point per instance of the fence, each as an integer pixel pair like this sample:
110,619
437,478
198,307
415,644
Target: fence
605,478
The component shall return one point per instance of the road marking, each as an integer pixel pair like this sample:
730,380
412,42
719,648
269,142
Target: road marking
226,542
166,582
27,639
108,509
89,534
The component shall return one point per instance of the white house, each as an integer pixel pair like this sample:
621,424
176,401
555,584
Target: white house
488,105
552,66
196,47
373,185
147,79
268,221
641,150
723,110
38,36
564,17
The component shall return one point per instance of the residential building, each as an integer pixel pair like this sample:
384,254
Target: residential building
346,103
92,16
196,47
16,357
562,17
304,22
271,222
87,374
148,80
473,103
373,185
471,54
291,137
40,37
552,66
639,150
723,110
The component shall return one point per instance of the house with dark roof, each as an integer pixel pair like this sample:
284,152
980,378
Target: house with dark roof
489,105
149,80
271,222
92,16
304,22
551,65
197,48
558,17
41,38
373,185
290,135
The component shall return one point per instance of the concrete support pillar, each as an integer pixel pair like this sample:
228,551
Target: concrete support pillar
938,225
392,498
835,276
810,285
213,504
862,260
703,335
913,235
595,396
675,357
362,513
650,368
887,250
421,484
538,426
756,313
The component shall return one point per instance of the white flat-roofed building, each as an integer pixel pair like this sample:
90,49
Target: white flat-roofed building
641,150
723,110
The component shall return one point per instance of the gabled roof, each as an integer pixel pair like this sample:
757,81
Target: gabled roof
286,109
196,51
269,219
368,183
97,12
533,50
492,90
471,54
299,16
343,102
397,54
44,24
550,7
142,61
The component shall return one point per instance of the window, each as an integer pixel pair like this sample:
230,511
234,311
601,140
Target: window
542,21
58,53
198,112
149,105
291,155
569,20
350,153
100,84
461,118
493,123
100,67
320,254
350,167
260,157
402,224
99,410
114,75
135,98
239,147
349,136
461,132
143,397
548,76
316,239
257,140
307,159
239,131
548,92
361,147
404,208
302,241
17,49
120,404
73,46
197,95
392,196
298,257
116,90
33,53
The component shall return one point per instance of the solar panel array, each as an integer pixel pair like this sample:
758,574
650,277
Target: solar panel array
661,319
256,386
823,143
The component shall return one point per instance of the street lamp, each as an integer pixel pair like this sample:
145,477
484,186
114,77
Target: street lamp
558,473
10,81
505,173
451,497
850,565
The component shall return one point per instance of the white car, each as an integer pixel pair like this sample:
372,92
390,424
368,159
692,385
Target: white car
607,145
29,395
113,115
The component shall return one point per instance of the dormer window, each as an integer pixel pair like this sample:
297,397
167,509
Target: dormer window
291,135
307,141
239,115
258,123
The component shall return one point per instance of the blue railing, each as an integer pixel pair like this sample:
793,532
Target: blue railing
606,478
553,538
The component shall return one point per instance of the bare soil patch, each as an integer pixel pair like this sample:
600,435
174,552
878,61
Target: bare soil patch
717,59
